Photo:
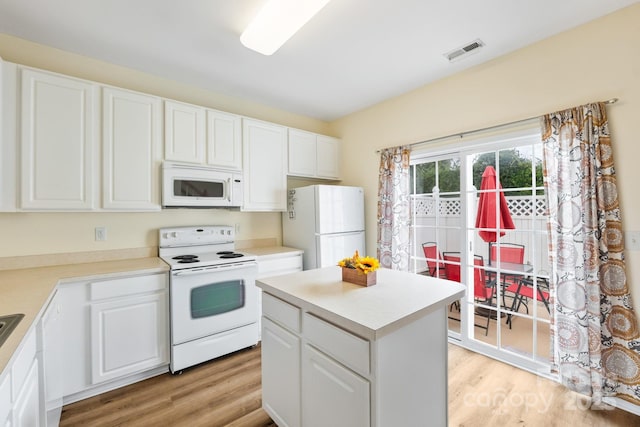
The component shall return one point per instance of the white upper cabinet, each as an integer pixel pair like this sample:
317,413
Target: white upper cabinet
302,153
131,150
8,137
224,140
328,157
57,142
264,147
184,138
313,156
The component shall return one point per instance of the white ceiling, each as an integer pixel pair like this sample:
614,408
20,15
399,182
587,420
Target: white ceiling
353,54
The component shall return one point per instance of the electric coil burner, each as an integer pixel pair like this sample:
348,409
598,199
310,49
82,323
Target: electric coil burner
213,297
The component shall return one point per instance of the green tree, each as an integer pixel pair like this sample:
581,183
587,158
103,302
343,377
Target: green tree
515,172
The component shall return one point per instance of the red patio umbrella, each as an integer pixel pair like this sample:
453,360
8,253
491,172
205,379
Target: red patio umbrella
486,214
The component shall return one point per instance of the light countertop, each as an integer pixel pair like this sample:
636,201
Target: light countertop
272,251
28,290
398,298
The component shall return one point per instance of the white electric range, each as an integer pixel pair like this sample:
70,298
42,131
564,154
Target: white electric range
212,294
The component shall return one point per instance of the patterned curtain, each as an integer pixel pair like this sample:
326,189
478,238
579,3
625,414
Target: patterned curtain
394,216
594,334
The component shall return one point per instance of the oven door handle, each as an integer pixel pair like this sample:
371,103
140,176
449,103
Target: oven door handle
204,270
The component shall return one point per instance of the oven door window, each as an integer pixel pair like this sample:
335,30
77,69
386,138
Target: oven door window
195,188
217,298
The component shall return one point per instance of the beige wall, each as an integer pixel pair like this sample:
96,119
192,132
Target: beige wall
43,233
594,62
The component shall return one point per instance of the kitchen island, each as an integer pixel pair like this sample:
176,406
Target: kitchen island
340,354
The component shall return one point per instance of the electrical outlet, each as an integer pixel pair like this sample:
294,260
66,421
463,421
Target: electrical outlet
632,240
237,229
101,234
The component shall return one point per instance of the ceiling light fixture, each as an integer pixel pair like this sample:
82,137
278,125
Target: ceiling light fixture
277,21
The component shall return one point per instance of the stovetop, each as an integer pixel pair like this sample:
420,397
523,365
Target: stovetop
205,259
201,246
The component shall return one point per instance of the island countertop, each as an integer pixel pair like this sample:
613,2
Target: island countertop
398,298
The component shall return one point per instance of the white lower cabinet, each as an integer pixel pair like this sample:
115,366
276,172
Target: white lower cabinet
26,409
51,347
327,381
25,384
389,380
275,263
305,386
116,330
5,400
127,336
281,374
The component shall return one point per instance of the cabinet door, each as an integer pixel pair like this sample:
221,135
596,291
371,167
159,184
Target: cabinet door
131,150
75,325
280,374
184,135
52,341
302,153
332,395
328,157
128,335
5,400
224,140
8,137
57,142
264,166
26,408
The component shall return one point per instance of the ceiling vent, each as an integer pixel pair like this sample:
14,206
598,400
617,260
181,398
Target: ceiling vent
464,51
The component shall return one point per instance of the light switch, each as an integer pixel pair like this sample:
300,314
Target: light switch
632,240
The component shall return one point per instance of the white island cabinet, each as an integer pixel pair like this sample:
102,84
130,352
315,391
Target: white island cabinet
339,354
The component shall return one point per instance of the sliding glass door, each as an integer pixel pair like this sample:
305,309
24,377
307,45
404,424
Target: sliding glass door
437,220
491,236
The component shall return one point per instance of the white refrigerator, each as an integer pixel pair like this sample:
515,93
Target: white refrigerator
326,221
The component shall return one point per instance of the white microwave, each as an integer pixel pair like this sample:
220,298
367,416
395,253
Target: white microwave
187,185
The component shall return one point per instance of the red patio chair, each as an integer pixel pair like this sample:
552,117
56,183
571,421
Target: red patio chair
509,252
435,266
483,290
524,290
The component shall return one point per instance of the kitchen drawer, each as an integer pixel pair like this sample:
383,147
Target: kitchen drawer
127,286
275,266
281,312
22,363
346,348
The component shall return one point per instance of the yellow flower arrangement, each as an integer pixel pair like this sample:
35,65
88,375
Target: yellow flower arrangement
364,265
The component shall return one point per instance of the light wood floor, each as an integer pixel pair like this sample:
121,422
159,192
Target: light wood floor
226,392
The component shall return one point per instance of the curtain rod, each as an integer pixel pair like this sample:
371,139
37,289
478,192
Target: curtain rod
461,134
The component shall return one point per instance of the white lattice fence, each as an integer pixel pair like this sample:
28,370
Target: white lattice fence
527,213
518,206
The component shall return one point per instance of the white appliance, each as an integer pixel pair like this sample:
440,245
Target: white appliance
326,221
212,294
200,186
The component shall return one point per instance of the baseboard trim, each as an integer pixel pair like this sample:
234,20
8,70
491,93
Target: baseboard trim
103,388
623,404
